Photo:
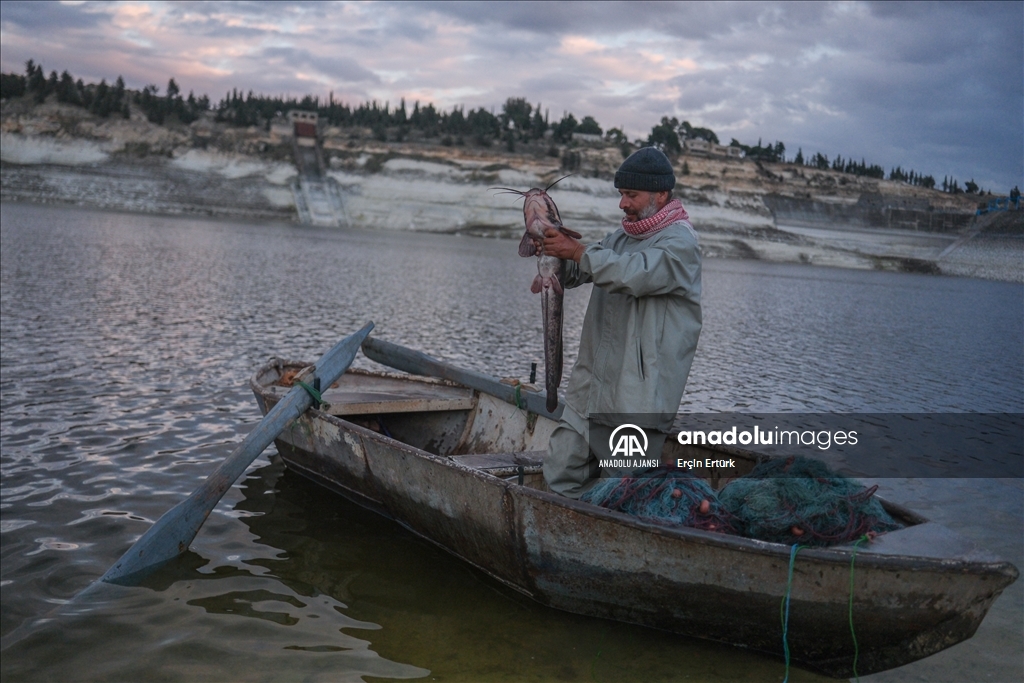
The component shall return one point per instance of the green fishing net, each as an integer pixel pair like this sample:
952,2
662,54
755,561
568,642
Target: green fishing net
783,500
663,495
800,500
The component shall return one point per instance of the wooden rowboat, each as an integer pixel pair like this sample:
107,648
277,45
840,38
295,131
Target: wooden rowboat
459,465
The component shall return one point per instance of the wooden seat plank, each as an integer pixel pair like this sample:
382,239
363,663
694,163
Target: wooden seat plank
390,396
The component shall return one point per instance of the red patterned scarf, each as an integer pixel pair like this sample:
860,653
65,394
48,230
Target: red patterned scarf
669,214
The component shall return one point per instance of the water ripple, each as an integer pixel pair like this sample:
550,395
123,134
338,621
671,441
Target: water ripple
126,343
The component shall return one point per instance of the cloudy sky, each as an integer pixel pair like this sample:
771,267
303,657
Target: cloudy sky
934,87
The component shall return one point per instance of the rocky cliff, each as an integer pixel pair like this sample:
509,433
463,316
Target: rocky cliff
742,208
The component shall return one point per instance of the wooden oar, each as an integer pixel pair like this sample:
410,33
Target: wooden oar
173,532
417,363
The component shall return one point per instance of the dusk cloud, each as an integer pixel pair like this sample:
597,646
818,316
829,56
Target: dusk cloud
934,87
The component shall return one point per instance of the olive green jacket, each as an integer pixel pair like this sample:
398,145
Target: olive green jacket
641,327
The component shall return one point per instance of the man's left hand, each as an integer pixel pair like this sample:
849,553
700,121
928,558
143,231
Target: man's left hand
560,245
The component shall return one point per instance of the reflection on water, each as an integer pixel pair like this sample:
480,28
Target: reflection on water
231,625
442,614
125,345
334,575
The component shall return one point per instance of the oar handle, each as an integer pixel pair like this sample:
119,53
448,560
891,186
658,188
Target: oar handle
417,363
173,532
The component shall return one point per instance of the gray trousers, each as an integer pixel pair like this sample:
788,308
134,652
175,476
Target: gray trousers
571,466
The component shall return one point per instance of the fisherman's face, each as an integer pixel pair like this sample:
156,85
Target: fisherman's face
638,205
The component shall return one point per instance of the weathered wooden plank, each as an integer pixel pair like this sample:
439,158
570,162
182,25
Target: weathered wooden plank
355,405
499,427
376,395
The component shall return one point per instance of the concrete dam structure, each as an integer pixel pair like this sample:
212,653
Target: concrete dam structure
318,198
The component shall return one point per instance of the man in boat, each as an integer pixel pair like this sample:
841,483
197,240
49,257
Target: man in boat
641,327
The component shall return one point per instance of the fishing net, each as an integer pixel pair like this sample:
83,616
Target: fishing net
663,495
800,500
792,500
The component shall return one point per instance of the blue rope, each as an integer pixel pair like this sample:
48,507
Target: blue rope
784,607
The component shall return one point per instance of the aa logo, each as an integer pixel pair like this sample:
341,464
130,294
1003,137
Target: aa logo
625,441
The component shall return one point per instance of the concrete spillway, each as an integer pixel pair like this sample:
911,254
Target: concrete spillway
318,199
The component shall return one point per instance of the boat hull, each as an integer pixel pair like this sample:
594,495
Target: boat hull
587,560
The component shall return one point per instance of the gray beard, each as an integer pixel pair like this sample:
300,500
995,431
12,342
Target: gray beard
649,210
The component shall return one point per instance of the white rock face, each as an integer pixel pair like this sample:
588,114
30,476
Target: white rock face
233,166
280,197
454,192
409,194
17,149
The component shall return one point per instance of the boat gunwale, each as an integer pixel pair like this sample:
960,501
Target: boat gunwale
838,555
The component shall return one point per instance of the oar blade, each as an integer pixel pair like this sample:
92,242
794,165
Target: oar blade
174,531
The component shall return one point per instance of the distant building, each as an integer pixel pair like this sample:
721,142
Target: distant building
697,146
304,126
587,137
703,147
727,151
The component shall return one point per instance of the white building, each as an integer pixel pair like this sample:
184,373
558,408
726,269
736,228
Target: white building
699,146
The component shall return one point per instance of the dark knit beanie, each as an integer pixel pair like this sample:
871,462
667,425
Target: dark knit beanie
646,169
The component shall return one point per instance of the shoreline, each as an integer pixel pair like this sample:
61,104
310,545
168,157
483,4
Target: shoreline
419,194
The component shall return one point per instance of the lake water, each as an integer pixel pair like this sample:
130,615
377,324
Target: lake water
126,342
